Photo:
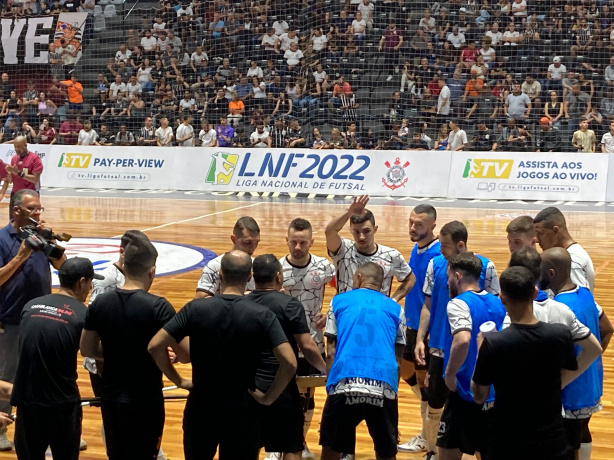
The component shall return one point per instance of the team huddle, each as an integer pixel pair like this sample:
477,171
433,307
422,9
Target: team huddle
505,366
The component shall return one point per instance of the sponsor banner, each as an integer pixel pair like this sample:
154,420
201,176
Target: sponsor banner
349,172
529,176
115,167
7,151
173,258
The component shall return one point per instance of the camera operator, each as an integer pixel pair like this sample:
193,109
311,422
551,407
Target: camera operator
45,392
25,169
24,275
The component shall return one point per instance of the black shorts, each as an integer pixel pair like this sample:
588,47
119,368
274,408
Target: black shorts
410,347
437,391
282,425
461,425
343,413
577,431
133,431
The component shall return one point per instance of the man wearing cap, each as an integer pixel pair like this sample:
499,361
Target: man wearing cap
556,72
45,390
549,138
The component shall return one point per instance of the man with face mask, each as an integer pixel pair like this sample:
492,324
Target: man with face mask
582,397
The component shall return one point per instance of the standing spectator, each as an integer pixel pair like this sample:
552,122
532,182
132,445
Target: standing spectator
391,43
548,138
532,88
87,136
277,133
577,106
584,139
225,133
457,139
75,93
56,64
25,169
124,137
444,100
69,130
260,138
30,102
147,135
607,140
164,134
11,133
185,132
105,138
517,105
207,135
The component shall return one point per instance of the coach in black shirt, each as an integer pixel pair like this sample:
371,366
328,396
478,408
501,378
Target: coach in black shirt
45,390
282,421
118,327
228,332
524,364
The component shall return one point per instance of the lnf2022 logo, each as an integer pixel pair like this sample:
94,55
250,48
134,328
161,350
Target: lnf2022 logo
74,160
488,169
222,168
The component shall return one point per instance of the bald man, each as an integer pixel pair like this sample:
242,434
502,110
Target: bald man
25,169
551,232
582,397
365,332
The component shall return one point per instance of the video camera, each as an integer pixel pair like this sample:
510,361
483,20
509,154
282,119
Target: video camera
37,239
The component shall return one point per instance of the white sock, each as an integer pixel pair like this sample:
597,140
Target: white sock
433,416
416,390
585,451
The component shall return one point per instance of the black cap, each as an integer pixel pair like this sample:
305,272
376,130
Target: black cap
75,268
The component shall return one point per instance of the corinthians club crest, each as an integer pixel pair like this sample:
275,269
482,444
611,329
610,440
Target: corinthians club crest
396,176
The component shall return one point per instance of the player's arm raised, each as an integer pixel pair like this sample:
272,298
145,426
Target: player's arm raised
333,240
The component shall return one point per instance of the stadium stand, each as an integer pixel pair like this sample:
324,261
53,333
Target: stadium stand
521,75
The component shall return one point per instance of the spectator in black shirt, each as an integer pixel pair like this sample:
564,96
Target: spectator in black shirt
416,143
228,333
5,88
282,422
483,140
45,389
118,327
527,419
278,133
548,138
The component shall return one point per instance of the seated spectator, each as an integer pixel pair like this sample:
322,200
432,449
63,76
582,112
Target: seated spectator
12,108
511,39
254,70
123,54
416,143
225,133
472,89
283,106
29,133
607,140
418,93
133,87
519,139
340,87
158,26
69,130
294,135
468,56
87,136
270,72
319,41
270,44
147,134
480,69
441,141
417,44
556,73
280,27
483,140
583,38
287,38
428,23
607,105
260,138
207,135
224,72
407,77
293,57
487,52
594,119
369,141
532,88
358,27
46,133
584,139
164,134
317,141
124,137
367,8
456,38
548,137
553,110
351,136
149,45
337,141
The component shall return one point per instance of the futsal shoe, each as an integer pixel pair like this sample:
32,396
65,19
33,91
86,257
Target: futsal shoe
307,455
347,456
5,444
273,456
415,444
82,444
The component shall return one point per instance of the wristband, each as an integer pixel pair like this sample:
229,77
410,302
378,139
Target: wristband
21,174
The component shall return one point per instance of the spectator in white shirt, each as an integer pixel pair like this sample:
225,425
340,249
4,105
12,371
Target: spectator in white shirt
164,134
358,27
511,38
609,72
185,10
321,77
607,140
366,8
185,132
207,135
556,73
293,56
123,54
270,43
149,44
158,26
133,87
319,41
428,22
457,139
254,70
495,35
260,138
287,38
117,89
456,38
87,136
281,27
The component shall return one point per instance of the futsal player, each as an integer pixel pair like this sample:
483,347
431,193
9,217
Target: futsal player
282,421
453,238
349,255
551,232
521,233
245,237
582,397
422,222
305,277
462,422
527,423
365,332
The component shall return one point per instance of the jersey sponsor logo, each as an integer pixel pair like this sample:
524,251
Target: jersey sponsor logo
222,168
173,258
487,169
75,160
396,177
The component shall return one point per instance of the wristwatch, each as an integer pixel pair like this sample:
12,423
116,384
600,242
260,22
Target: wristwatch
21,173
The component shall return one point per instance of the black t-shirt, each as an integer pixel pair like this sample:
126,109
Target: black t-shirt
72,5
227,334
291,315
126,321
49,341
524,364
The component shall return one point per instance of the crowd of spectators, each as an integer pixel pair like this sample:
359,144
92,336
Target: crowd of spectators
523,75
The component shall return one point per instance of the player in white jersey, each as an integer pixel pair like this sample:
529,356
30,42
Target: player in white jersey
349,255
305,277
551,232
245,237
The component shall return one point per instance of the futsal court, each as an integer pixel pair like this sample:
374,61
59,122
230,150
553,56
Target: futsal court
208,222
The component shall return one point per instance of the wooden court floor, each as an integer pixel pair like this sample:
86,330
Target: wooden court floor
208,224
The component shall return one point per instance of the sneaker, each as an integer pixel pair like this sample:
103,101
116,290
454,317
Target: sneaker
389,78
415,444
430,456
273,456
5,444
347,457
307,455
82,445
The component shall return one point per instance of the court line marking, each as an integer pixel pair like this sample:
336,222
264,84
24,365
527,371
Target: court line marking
191,219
